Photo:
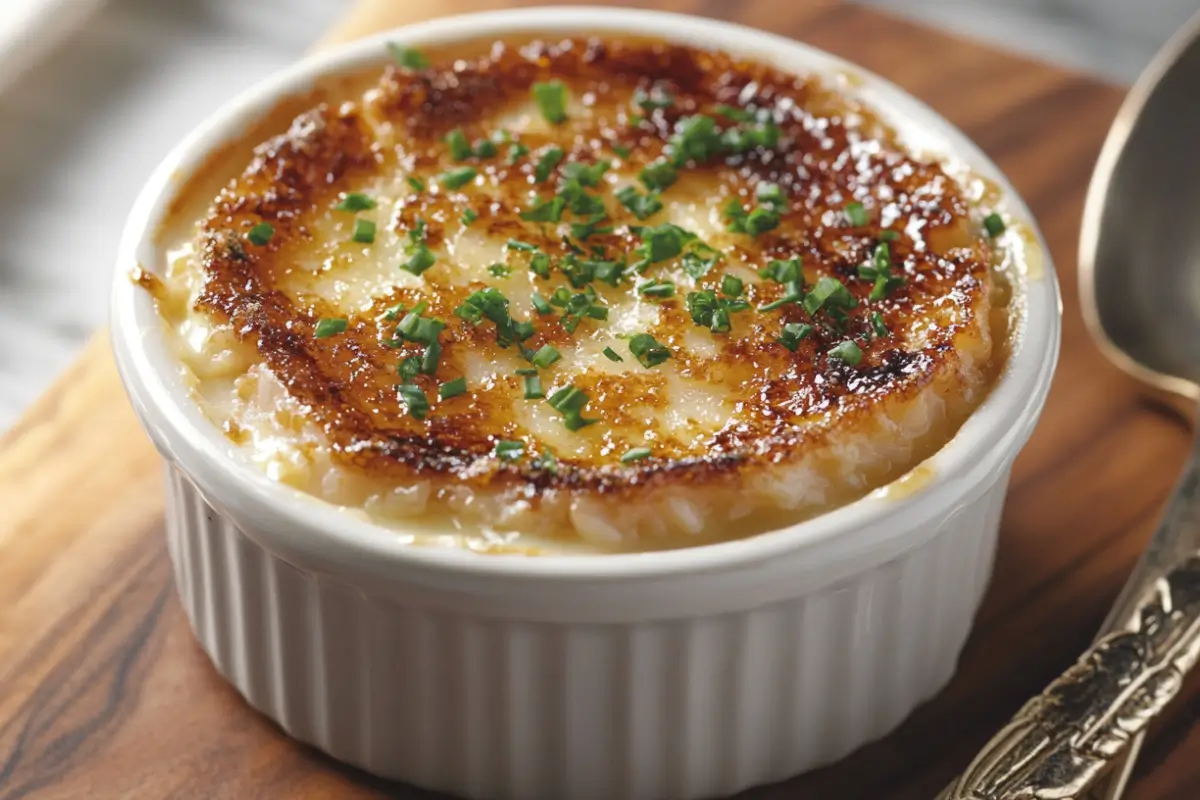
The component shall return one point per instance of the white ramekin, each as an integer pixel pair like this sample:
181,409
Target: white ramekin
692,673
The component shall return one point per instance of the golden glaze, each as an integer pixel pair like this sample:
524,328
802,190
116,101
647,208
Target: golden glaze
834,152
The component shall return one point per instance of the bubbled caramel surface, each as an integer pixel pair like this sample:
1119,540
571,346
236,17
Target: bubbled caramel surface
723,404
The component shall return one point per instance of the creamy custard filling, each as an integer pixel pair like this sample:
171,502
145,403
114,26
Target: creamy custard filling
587,296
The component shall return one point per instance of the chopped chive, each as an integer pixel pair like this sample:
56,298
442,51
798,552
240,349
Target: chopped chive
516,151
422,258
647,350
544,210
782,271
586,174
696,139
793,292
877,324
547,462
469,216
621,150
407,57
640,205
409,368
330,326
658,175
457,178
414,400
551,99
508,450
430,358
856,214
484,148
793,333
889,236
848,352
540,305
452,388
582,230
415,183
546,356
771,193
636,454
570,401
994,225
523,330
533,386
539,264
831,294
499,270
261,233
355,201
364,231
611,354
732,286
550,158
517,244
657,288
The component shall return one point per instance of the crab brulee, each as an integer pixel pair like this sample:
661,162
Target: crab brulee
589,295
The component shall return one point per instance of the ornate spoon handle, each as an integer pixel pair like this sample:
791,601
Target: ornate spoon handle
1062,740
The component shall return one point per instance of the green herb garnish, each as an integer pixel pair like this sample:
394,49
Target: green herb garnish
848,352
586,174
636,454
545,356
570,401
544,210
793,333
759,220
460,147
355,201
732,286
261,233
507,450
856,214
647,350
407,57
657,288
641,205
532,384
831,296
877,324
611,354
540,305
549,158
551,99
469,216
459,177
516,151
658,175
499,270
415,183
414,399
330,326
994,225
364,231
452,388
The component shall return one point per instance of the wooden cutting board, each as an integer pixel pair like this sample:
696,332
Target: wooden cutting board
103,692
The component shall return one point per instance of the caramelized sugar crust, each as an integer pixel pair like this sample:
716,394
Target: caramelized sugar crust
782,403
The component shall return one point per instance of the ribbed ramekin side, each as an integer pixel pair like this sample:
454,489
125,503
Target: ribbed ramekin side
497,708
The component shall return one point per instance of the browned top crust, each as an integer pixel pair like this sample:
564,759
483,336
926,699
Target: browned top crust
830,152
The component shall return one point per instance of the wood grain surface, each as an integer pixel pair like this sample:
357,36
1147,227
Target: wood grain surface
103,692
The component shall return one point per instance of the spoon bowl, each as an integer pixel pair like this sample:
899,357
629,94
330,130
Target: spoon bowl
1139,259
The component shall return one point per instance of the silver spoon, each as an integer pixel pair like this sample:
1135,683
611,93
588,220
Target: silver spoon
1139,276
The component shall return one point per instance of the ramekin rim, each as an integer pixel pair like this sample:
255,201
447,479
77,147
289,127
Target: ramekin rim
317,529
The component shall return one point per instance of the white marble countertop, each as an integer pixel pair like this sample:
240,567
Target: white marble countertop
82,127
